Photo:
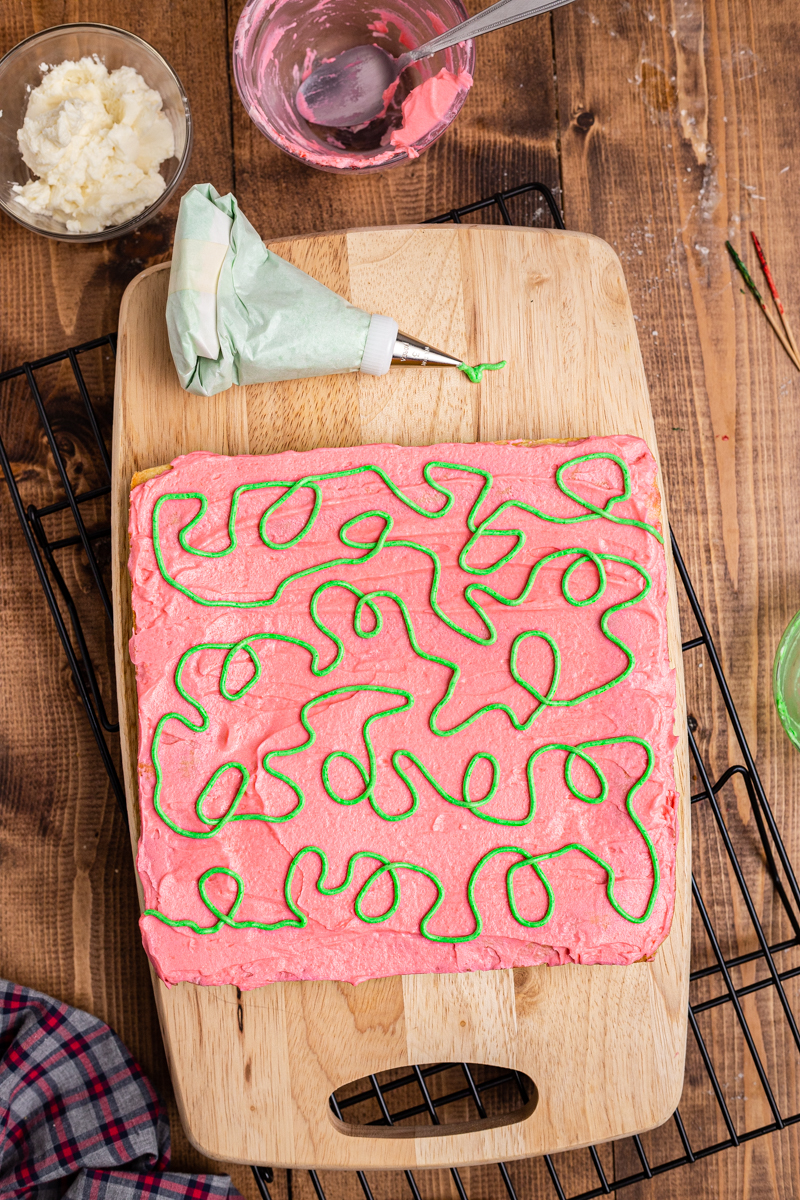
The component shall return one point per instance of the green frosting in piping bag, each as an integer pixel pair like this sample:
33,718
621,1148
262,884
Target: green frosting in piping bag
238,313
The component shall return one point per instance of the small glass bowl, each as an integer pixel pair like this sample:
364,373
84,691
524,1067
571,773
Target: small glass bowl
272,54
786,680
20,72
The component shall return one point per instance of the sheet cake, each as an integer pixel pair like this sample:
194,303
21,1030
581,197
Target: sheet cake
403,711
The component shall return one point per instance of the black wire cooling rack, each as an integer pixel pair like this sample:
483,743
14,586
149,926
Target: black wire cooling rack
746,925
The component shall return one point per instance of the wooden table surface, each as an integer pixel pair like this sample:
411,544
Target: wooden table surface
664,126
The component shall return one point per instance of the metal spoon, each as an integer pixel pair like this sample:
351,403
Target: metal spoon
350,89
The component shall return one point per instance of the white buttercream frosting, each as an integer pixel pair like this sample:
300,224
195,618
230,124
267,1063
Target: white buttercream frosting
95,139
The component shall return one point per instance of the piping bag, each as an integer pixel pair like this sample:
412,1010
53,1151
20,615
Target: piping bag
238,313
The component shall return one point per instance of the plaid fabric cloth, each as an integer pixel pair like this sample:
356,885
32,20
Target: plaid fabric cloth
79,1118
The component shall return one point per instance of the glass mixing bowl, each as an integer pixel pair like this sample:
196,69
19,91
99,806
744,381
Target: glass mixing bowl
273,51
786,680
20,72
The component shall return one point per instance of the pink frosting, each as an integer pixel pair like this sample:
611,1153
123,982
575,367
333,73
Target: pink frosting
335,944
425,106
423,109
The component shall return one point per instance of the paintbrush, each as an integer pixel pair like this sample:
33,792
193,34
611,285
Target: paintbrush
778,302
745,274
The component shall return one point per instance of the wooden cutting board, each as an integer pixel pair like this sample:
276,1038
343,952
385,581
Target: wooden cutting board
605,1045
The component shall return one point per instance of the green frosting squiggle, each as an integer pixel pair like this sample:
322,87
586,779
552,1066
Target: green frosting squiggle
401,700
478,529
475,374
300,919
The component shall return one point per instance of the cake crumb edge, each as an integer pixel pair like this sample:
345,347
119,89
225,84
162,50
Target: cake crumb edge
148,473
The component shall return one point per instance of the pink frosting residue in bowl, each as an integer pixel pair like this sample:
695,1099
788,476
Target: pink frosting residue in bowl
426,105
278,44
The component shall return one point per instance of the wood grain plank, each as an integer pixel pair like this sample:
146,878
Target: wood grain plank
685,143
66,856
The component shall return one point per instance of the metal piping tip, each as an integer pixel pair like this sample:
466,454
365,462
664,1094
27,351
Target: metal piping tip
409,352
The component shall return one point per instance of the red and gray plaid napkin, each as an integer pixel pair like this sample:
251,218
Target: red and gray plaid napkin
78,1119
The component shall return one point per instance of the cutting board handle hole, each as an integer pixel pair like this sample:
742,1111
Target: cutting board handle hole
433,1099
